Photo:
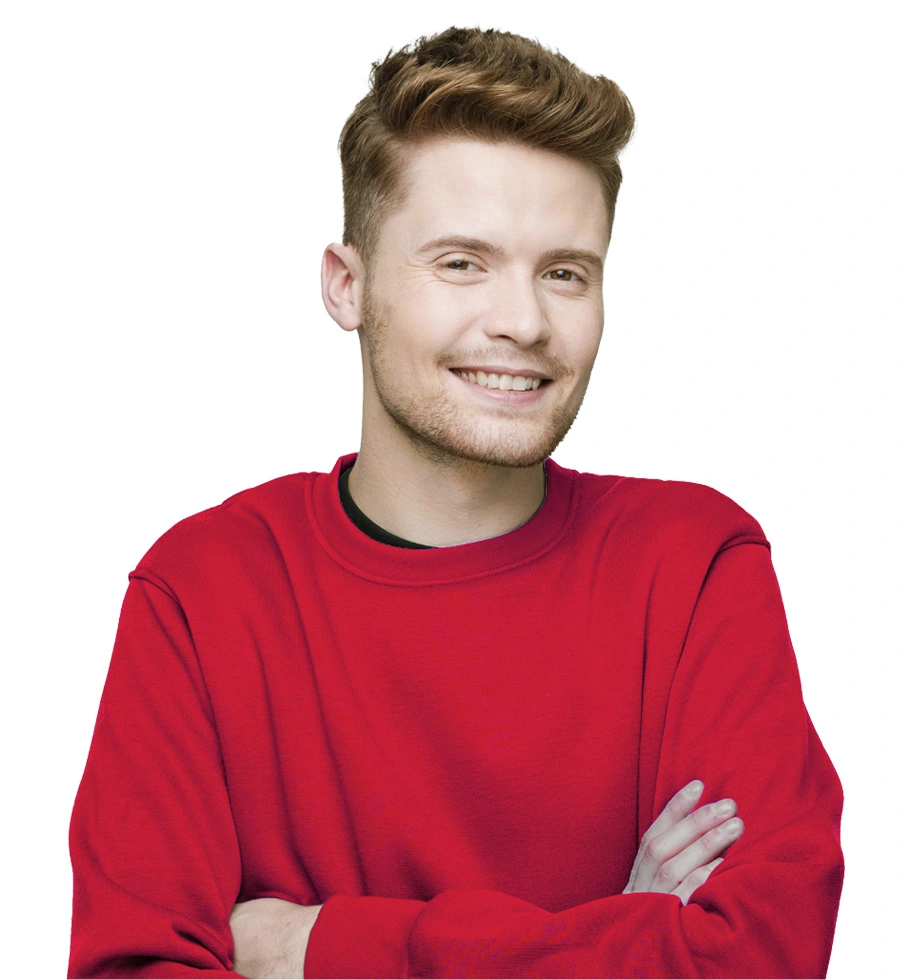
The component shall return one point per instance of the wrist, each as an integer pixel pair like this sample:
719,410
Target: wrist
307,922
271,937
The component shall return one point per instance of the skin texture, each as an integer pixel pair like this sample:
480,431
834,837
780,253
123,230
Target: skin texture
270,937
512,279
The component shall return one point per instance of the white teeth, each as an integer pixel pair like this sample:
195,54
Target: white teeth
501,382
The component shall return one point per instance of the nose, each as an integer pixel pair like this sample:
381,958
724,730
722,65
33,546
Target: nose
518,313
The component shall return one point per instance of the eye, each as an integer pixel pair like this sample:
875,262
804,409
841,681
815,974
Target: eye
563,275
460,265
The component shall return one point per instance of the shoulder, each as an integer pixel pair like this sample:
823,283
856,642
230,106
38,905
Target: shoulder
243,529
666,511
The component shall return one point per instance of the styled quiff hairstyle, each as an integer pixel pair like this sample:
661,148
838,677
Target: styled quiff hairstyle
472,84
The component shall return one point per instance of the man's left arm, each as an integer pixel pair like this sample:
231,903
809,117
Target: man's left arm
677,854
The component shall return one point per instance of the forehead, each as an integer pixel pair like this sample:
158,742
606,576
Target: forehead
508,193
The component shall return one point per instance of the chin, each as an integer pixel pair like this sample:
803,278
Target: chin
454,453
447,438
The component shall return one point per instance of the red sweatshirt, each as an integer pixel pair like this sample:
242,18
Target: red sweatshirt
457,750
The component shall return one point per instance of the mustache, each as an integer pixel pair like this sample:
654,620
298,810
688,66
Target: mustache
548,366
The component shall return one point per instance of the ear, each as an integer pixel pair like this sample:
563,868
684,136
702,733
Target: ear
343,278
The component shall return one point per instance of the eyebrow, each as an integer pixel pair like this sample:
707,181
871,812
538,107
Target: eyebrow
488,248
466,244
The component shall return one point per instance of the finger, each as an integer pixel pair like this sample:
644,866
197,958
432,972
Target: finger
676,810
709,846
694,879
657,854
691,828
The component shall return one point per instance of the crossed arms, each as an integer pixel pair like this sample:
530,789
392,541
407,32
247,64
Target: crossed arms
677,854
181,816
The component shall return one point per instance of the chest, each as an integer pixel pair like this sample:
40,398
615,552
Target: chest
470,736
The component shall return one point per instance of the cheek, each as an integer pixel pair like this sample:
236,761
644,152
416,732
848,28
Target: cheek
595,342
437,323
584,337
415,345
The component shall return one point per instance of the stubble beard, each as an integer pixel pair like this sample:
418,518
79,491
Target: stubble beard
440,429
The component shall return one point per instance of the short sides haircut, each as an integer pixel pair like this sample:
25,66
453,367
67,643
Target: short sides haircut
472,84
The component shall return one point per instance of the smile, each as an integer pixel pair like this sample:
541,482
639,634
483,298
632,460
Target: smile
499,382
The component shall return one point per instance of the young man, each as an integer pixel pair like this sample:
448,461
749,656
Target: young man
423,715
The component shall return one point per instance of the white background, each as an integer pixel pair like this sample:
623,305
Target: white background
169,182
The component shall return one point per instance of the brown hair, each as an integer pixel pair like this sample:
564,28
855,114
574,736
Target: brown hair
486,85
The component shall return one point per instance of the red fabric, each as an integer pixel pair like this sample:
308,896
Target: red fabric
456,750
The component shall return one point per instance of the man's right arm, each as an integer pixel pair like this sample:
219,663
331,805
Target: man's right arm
156,864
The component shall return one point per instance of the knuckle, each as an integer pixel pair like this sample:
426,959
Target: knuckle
706,815
698,820
727,832
713,839
652,850
666,876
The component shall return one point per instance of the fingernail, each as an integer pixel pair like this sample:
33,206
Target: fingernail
695,788
724,808
733,827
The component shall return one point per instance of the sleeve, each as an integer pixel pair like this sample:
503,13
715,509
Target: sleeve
735,718
156,865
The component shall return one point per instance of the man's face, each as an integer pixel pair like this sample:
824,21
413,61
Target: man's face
490,271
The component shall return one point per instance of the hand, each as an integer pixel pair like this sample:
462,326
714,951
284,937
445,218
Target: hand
681,848
270,937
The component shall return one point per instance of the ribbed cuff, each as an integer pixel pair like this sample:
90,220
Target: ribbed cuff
361,937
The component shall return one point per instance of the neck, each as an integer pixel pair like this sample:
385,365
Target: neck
443,502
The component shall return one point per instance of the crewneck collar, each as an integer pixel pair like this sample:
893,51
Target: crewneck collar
364,556
361,520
